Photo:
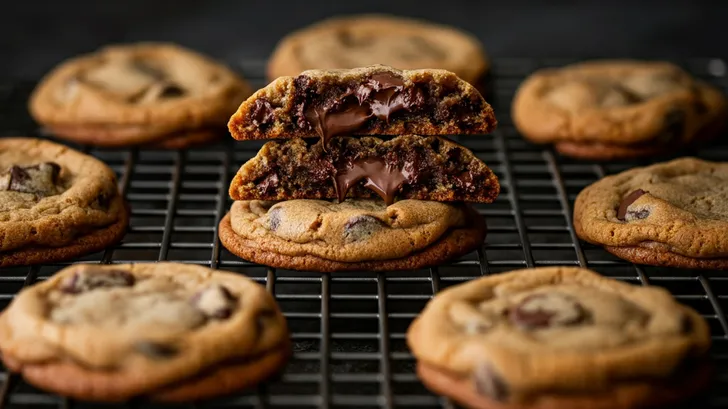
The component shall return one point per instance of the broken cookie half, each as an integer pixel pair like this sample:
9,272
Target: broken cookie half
406,167
374,100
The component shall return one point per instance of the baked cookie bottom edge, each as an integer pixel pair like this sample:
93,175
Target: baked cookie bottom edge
75,381
452,244
92,242
630,395
662,258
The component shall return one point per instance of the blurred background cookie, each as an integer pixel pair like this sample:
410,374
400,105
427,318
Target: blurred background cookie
138,94
361,40
605,110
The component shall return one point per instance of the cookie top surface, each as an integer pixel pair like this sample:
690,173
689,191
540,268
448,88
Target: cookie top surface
157,84
555,329
405,167
679,206
48,192
162,320
357,41
351,231
617,102
372,100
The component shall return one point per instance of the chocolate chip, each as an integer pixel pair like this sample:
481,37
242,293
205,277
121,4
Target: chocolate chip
215,301
103,200
274,218
262,112
85,281
489,383
361,227
268,185
546,310
156,350
636,214
171,91
627,201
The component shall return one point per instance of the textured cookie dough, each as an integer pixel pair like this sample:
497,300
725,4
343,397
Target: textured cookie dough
152,330
673,214
409,166
146,93
373,100
617,109
358,41
56,200
323,236
559,337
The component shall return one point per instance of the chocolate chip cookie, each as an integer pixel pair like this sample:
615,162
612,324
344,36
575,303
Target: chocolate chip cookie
375,100
55,203
410,166
317,235
163,331
618,109
669,214
357,41
147,93
559,337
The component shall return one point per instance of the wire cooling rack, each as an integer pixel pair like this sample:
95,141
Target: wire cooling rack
349,329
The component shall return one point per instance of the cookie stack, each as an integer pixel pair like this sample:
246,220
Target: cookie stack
328,204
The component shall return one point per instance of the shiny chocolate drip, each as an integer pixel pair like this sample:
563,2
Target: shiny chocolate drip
382,178
380,96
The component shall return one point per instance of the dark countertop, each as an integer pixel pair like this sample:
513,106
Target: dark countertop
38,34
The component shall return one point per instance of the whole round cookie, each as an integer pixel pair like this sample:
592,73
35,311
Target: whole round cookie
138,94
317,235
361,40
163,331
606,110
669,214
55,203
559,337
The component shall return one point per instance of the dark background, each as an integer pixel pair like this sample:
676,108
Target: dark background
35,35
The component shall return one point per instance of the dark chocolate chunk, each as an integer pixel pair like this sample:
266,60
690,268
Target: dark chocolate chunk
156,350
215,301
274,218
382,178
269,184
40,179
86,281
627,201
172,91
546,310
380,96
489,383
262,113
361,227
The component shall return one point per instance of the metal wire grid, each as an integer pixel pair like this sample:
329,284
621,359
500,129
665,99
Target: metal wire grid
349,329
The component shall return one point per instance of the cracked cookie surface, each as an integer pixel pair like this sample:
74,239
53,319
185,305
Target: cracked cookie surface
152,330
673,213
356,234
557,337
358,41
50,196
618,109
406,167
374,100
146,93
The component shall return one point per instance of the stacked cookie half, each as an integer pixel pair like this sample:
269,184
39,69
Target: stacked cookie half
323,198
